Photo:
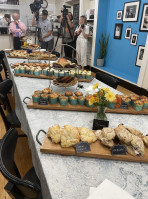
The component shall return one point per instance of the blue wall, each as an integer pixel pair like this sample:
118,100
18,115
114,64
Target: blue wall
121,56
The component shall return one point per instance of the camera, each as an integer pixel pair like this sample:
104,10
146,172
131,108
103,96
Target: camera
65,11
35,7
82,26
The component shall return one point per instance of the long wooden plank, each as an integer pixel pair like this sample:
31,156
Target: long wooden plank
97,151
46,77
33,58
78,107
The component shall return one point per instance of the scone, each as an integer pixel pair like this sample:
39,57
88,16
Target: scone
138,145
103,139
145,140
130,150
69,136
54,133
134,131
108,133
87,135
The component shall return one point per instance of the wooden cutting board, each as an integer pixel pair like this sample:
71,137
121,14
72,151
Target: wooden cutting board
39,58
84,108
97,151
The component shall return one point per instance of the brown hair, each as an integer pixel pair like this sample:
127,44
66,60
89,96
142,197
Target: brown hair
7,16
84,19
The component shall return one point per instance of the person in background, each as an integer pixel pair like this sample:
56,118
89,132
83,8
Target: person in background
46,39
7,18
82,32
67,37
18,30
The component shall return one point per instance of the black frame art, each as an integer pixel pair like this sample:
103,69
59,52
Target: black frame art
128,33
144,19
131,11
140,54
134,39
117,17
118,31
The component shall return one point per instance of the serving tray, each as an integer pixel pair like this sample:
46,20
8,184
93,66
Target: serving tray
84,108
97,151
51,59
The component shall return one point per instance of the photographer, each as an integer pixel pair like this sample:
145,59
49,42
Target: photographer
68,33
46,39
82,32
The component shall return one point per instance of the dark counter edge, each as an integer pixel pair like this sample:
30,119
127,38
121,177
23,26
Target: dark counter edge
136,89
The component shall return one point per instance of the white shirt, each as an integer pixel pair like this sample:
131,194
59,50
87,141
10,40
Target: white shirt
86,30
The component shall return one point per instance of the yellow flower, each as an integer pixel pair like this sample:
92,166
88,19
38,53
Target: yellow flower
96,99
95,86
91,100
105,89
110,96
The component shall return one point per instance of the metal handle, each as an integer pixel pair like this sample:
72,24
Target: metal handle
37,135
25,99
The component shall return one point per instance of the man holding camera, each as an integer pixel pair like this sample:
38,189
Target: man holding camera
66,22
46,39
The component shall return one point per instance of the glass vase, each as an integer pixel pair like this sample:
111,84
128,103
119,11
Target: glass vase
101,115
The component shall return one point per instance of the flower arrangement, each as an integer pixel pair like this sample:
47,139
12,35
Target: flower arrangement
102,97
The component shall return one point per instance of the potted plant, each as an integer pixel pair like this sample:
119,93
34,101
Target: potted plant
103,45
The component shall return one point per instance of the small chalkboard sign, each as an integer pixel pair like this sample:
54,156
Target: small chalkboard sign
99,124
118,150
124,106
82,147
43,102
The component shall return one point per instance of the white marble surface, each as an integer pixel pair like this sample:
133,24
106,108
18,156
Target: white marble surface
70,177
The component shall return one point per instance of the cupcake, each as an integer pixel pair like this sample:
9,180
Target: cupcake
143,97
112,105
61,74
22,70
53,98
118,100
126,100
27,70
50,72
63,100
133,99
37,92
87,101
81,100
45,72
46,91
66,73
32,71
80,74
68,94
44,96
72,73
145,102
73,100
138,105
36,72
35,98
77,93
17,70
88,75
84,74
56,73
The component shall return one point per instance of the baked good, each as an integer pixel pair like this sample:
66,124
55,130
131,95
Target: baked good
54,133
134,131
130,150
47,90
69,93
87,135
108,133
78,93
145,140
69,136
138,145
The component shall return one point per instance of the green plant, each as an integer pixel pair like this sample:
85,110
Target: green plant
103,45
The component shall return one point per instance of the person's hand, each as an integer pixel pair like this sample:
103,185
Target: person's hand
16,22
67,16
34,14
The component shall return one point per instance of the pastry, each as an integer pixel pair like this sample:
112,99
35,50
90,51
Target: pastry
69,93
77,93
47,90
138,145
123,134
69,136
130,150
145,140
108,133
87,135
54,133
134,131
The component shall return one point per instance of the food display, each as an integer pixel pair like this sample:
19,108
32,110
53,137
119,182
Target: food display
31,46
63,63
131,138
70,136
65,81
33,55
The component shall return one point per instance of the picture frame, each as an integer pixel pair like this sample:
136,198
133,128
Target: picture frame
131,11
118,31
128,33
140,53
144,19
119,15
134,39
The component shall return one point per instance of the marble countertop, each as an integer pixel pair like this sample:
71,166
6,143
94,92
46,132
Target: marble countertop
69,177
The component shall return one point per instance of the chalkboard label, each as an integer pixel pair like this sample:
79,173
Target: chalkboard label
82,147
99,124
118,150
43,102
124,106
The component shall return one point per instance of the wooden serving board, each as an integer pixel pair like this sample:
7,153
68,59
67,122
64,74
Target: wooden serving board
51,59
34,76
84,108
97,151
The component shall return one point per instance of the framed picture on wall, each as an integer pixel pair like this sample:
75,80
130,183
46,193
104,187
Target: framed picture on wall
131,11
118,31
144,19
119,15
140,55
128,33
134,38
